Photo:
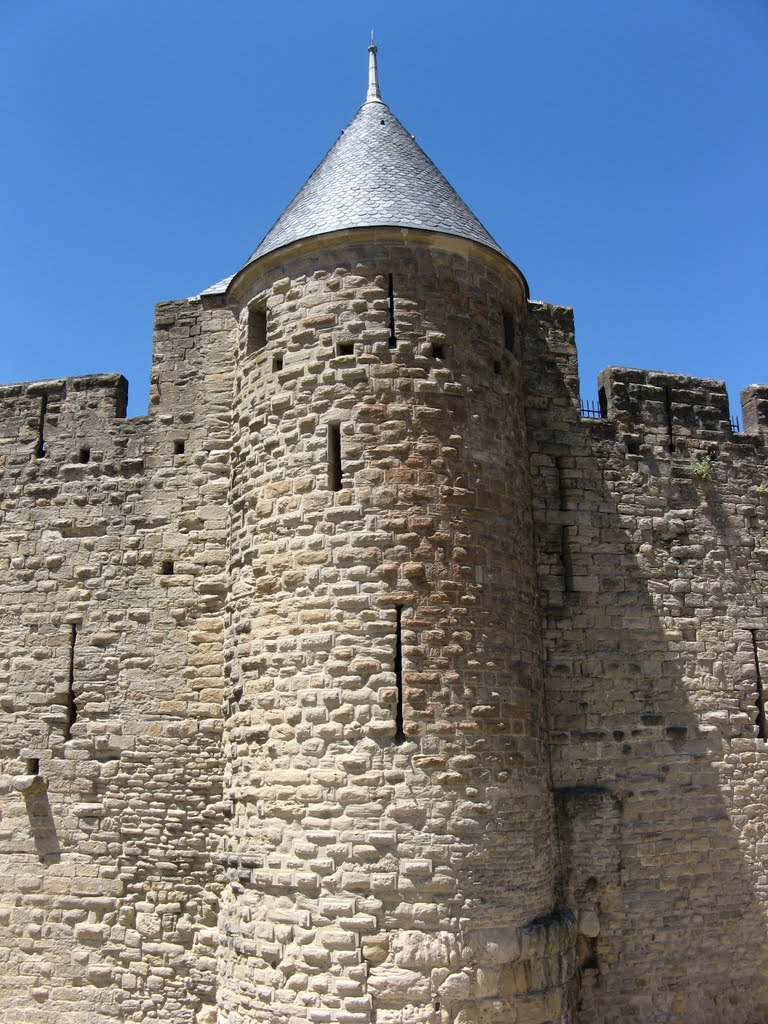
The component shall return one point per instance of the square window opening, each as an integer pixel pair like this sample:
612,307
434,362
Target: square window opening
510,333
257,329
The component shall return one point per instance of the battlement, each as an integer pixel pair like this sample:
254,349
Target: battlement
754,407
673,407
70,409
91,396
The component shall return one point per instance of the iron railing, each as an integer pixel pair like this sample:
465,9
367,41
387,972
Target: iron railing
590,409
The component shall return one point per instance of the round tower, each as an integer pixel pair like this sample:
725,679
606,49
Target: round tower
392,854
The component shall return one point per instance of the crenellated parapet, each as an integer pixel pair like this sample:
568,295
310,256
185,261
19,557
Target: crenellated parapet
678,414
668,407
754,407
60,418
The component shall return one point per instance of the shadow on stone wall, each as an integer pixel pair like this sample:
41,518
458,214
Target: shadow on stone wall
42,824
650,579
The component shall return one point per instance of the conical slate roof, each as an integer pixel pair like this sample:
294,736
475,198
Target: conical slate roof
375,174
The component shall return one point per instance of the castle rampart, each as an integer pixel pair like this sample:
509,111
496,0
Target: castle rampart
364,680
112,568
651,537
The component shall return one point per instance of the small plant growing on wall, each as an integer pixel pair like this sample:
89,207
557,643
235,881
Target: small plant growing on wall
701,467
762,490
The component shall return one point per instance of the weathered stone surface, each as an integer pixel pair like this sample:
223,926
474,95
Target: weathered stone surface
362,680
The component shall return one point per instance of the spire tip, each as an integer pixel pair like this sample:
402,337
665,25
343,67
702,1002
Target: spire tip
374,95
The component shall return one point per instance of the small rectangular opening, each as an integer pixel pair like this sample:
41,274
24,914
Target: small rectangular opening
334,457
33,766
345,348
84,455
668,412
277,364
40,446
762,728
167,567
509,333
603,403
438,351
496,366
71,702
257,329
391,297
399,718
178,447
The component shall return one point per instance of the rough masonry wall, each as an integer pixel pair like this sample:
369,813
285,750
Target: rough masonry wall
112,576
652,533
378,876
459,755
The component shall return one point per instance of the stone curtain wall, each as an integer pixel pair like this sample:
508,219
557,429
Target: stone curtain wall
373,879
363,682
112,577
652,533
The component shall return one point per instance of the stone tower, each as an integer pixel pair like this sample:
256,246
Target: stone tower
367,679
385,741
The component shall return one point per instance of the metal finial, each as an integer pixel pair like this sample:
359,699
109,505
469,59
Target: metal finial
374,96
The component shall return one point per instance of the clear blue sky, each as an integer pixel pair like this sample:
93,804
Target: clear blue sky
615,149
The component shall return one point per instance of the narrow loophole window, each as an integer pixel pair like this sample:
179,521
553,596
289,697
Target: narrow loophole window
334,457
438,351
40,446
496,366
33,766
391,297
399,719
257,329
510,334
602,401
84,455
178,447
71,706
670,417
167,567
760,702
277,364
